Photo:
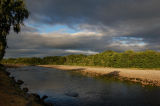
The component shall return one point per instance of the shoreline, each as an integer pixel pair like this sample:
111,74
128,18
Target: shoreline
145,77
11,93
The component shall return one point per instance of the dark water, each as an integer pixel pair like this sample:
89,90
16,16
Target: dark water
61,86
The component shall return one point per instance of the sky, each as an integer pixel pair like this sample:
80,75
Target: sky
63,27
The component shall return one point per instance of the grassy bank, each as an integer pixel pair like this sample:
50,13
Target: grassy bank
12,95
128,59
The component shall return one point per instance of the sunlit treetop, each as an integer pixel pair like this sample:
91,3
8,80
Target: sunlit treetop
12,13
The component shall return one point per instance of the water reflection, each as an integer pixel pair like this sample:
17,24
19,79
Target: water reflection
62,88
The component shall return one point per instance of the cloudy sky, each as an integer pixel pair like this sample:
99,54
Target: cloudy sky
61,27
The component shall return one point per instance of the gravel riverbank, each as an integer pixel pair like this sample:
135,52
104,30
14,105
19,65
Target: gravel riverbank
145,77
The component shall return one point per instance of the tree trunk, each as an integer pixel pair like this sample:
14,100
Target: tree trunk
3,45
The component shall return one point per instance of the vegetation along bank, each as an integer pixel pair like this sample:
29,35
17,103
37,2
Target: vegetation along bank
128,59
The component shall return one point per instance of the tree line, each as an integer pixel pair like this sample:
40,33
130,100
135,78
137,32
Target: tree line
127,59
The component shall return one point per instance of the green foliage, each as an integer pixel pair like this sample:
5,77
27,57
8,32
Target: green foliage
53,60
12,14
127,59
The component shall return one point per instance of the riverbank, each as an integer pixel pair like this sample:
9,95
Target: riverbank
12,95
145,77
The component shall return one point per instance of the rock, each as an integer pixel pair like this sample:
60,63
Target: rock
37,97
41,100
8,73
72,94
44,97
48,104
25,89
12,78
20,82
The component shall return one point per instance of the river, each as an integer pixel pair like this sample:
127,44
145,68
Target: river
67,88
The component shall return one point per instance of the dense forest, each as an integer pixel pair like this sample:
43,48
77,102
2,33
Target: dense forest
127,59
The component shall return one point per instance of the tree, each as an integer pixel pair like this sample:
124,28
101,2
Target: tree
12,15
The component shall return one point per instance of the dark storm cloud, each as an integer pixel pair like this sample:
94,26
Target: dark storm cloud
35,44
139,17
83,40
35,52
103,24
92,11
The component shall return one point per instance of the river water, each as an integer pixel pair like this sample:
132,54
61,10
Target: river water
66,88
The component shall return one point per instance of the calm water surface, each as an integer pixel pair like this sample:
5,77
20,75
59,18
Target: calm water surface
60,86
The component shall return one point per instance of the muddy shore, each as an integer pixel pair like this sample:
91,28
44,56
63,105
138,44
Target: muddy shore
145,77
11,94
